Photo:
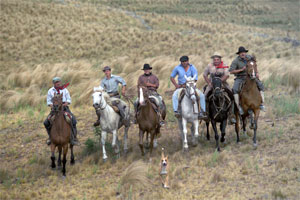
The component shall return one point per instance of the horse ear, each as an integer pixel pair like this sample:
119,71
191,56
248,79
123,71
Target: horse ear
254,58
186,78
194,78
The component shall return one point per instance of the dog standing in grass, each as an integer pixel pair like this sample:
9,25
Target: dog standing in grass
164,169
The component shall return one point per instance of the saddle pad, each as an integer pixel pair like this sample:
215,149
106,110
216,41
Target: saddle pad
179,92
68,117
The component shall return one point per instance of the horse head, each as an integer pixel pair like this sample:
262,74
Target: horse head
190,90
143,95
217,85
98,98
57,102
251,66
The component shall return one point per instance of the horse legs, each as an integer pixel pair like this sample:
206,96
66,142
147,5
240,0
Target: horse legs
72,155
213,123
244,120
65,151
223,130
196,134
53,156
147,140
103,139
141,134
115,142
184,130
59,156
237,128
207,131
125,139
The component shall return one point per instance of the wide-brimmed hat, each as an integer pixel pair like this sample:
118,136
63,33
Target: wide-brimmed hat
216,54
56,79
106,68
241,49
146,67
184,58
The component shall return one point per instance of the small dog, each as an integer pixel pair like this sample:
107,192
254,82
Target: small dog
164,168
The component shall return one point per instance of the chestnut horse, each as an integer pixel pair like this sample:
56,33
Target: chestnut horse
147,119
250,99
60,134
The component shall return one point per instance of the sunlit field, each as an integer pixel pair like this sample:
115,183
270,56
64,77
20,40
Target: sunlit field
40,39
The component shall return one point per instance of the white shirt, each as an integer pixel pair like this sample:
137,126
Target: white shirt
52,91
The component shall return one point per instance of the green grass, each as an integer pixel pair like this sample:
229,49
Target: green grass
284,105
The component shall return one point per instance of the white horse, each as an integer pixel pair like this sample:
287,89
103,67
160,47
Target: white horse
189,112
110,120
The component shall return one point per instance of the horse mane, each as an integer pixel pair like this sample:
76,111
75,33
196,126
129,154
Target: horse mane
106,96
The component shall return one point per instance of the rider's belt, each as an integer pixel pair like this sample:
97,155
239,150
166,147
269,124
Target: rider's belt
182,85
113,94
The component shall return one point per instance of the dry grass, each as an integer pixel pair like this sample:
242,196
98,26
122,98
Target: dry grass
75,39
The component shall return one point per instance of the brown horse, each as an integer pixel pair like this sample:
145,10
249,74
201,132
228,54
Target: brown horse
250,99
147,119
60,134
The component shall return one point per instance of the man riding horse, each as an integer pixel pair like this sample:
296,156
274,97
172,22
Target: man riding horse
188,70
238,68
151,82
66,98
110,84
218,68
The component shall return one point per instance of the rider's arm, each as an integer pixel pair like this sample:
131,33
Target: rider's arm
174,82
172,78
205,75
233,68
49,98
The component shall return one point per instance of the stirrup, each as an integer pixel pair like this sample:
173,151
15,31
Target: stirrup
262,108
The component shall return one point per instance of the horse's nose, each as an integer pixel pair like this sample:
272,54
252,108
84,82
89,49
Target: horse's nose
95,105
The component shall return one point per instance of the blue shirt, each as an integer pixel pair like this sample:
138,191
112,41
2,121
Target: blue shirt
111,85
180,71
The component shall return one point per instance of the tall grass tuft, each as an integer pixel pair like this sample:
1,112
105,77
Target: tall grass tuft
134,177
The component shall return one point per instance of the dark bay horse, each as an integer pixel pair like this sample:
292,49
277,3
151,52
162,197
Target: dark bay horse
147,119
60,134
220,101
250,99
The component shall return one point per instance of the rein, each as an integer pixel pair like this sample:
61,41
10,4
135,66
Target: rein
220,108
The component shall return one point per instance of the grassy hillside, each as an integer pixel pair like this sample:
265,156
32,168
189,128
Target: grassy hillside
40,39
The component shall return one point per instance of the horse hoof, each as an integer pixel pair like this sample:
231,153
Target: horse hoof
185,150
239,143
104,160
218,149
255,145
72,162
125,151
63,177
222,140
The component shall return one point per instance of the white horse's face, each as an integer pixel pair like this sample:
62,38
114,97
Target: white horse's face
97,96
191,87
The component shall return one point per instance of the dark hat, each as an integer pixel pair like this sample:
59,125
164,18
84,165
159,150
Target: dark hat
146,67
106,68
184,58
242,49
56,79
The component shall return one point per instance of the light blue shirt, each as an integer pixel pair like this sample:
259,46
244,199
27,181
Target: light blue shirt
179,70
111,85
52,91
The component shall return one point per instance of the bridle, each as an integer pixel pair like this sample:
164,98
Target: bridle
220,97
102,104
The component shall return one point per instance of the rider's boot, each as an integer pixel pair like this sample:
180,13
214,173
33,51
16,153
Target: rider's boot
237,101
231,114
262,107
74,140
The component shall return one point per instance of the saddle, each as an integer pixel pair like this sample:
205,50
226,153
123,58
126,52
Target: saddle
67,116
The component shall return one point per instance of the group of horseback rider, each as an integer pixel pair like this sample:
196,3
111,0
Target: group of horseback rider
148,80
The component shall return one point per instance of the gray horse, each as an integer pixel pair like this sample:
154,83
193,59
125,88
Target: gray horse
110,121
189,112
